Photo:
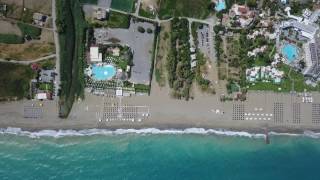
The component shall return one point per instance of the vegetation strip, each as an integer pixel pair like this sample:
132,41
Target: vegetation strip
71,26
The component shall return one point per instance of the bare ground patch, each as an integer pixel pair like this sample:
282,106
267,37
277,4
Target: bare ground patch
27,51
42,6
9,28
46,36
149,3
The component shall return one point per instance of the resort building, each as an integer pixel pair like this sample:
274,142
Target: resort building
244,15
264,73
307,28
141,44
42,96
95,56
116,51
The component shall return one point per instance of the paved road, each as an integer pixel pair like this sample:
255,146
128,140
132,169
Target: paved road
56,42
27,62
136,13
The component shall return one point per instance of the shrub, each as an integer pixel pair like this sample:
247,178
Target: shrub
149,31
141,29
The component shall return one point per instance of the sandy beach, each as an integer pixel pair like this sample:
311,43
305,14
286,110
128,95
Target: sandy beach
168,113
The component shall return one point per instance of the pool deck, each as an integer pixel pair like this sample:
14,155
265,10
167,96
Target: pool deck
298,53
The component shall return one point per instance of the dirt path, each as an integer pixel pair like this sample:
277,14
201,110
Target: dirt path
26,62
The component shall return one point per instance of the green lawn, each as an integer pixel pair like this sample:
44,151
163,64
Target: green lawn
142,88
14,80
146,13
32,31
188,8
11,39
45,87
88,1
118,20
285,85
123,5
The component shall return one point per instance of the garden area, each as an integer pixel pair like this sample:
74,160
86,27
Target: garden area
179,71
28,30
121,60
291,76
187,8
14,81
118,20
123,5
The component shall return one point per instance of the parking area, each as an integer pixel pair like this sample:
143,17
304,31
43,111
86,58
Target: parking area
140,43
205,41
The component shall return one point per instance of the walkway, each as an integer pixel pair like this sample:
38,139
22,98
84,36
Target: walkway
27,62
57,45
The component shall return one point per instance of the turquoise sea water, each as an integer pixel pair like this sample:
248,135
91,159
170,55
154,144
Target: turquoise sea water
290,51
105,72
138,156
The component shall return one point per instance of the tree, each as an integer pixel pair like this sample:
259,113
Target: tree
252,3
149,31
141,29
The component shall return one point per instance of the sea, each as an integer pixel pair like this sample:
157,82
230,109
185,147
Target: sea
157,154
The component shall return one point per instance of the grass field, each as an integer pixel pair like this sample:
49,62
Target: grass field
118,20
188,8
14,80
11,39
32,31
27,51
123,5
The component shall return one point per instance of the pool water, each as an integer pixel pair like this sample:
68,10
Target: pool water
290,52
105,72
220,5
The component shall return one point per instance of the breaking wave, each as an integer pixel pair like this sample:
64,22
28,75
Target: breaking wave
91,132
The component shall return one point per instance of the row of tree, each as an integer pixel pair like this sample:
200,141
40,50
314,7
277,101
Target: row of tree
180,75
71,28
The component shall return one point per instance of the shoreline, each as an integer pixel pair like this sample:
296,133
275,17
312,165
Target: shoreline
249,133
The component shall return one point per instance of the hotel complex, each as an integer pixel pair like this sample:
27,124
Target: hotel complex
306,27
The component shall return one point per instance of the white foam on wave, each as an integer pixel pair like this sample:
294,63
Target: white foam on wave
91,132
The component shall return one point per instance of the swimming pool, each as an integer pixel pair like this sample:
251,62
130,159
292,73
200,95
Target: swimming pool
220,5
290,52
104,72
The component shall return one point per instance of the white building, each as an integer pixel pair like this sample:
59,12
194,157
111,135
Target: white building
41,96
95,56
